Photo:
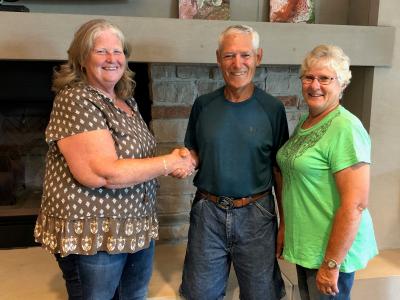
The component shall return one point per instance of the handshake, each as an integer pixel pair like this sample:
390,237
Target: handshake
184,162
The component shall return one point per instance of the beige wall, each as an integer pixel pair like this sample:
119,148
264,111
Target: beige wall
385,133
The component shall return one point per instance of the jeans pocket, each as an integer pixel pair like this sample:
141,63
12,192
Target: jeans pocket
266,206
197,205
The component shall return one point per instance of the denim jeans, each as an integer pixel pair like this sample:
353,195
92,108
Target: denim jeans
106,276
245,237
308,285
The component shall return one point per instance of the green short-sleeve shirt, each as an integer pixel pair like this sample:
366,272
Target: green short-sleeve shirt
308,162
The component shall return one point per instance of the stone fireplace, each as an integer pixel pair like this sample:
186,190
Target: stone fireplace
165,93
25,104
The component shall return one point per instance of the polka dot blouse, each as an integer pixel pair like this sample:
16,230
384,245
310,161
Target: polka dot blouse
81,220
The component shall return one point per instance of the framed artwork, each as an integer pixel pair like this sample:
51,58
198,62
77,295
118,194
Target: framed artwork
204,9
292,11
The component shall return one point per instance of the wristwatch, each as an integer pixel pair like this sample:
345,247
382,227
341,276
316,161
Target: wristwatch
331,264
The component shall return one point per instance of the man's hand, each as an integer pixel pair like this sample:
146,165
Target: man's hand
280,240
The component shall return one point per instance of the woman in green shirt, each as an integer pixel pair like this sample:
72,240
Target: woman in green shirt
328,231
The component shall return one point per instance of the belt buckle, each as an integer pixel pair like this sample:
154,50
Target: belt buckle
225,202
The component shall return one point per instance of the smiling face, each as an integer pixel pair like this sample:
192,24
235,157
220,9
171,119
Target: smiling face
106,62
238,61
321,98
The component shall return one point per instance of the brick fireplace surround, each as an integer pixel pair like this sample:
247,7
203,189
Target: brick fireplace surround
165,98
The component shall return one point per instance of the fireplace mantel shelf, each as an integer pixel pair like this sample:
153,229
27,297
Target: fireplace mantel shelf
40,36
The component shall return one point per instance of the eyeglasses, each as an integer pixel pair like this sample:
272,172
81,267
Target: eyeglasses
324,80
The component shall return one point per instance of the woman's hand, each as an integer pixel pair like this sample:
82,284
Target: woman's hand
188,157
327,280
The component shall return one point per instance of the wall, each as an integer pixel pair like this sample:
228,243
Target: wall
327,11
384,130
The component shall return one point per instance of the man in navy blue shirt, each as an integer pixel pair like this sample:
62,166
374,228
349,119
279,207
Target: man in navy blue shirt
233,134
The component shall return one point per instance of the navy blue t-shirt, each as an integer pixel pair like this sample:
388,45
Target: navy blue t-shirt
236,142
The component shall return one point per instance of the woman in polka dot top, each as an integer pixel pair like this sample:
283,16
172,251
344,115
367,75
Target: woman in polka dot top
98,206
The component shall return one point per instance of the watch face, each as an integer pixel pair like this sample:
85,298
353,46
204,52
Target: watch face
332,264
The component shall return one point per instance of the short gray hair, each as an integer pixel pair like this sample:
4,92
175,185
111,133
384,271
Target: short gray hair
255,37
332,57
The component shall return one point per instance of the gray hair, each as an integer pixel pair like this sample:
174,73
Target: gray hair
243,29
332,57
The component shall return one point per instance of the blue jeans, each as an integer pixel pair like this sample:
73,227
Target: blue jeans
245,237
106,276
308,285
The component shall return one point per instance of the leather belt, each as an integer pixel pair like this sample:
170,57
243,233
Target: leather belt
225,202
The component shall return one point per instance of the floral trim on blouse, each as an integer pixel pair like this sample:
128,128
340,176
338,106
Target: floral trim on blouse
88,236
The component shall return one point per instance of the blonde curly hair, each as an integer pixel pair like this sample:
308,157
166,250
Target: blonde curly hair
73,71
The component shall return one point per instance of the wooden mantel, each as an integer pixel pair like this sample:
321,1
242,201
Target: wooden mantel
43,36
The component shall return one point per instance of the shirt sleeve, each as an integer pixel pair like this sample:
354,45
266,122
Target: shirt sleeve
281,133
190,136
73,112
350,145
